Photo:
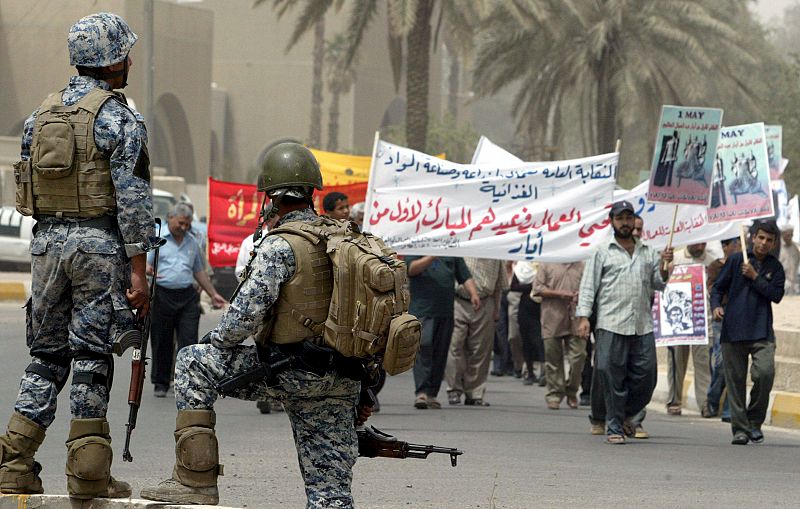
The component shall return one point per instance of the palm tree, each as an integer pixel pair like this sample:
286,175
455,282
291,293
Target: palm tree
313,15
340,78
602,55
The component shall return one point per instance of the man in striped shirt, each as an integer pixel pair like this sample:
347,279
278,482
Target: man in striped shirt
617,282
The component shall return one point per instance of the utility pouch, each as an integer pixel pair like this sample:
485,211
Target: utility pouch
54,155
402,344
24,185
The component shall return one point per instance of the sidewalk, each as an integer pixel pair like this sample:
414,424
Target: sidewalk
64,502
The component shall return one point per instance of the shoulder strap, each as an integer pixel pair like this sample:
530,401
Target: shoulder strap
50,101
94,100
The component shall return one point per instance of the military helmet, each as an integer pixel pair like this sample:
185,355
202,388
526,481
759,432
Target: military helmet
288,165
100,40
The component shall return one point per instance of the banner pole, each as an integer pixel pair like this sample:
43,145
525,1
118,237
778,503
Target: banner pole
618,145
368,199
671,232
743,240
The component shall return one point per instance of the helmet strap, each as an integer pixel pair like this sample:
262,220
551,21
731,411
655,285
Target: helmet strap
262,218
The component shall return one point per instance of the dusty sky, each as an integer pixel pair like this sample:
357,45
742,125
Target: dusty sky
768,9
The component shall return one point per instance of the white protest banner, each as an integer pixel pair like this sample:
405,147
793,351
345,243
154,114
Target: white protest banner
684,155
423,205
774,134
794,218
740,185
680,312
691,225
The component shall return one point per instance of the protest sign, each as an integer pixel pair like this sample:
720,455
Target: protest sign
691,225
355,193
684,155
780,200
424,205
342,169
740,186
680,312
774,135
233,210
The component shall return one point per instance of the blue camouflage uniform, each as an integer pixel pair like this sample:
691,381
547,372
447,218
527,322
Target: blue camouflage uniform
321,409
80,274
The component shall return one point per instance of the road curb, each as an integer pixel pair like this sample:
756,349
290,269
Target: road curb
786,410
13,291
64,502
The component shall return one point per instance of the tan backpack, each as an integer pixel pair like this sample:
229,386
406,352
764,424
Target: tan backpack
368,315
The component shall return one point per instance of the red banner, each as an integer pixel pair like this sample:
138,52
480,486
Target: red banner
233,215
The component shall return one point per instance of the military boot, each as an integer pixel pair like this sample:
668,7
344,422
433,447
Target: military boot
89,457
19,473
194,478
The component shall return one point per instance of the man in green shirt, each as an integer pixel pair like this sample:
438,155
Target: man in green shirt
432,281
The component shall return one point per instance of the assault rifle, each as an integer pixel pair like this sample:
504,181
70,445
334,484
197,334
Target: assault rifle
373,443
137,339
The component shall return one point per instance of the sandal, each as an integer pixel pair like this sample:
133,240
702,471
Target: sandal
615,439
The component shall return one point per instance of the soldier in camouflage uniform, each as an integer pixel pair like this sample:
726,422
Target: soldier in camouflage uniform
319,402
94,210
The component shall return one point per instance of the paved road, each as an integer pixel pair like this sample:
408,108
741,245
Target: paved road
518,453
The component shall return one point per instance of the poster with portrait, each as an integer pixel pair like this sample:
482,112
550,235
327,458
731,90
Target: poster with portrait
774,135
740,185
680,311
683,158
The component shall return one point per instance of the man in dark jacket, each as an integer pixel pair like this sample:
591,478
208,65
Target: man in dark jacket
751,287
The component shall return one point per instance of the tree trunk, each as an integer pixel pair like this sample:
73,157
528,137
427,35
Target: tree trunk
333,123
606,119
417,76
453,87
315,128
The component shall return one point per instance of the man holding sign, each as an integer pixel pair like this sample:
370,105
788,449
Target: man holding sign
751,282
618,282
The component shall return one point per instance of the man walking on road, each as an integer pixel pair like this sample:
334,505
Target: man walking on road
557,284
176,308
84,158
432,281
747,333
473,333
619,280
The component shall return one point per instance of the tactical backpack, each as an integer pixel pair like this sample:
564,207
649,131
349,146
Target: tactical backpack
368,313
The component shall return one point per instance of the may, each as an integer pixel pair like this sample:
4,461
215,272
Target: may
691,114
733,133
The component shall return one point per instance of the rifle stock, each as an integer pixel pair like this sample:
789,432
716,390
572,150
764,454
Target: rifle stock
373,443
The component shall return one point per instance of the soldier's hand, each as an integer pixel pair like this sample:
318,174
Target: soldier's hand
363,412
139,295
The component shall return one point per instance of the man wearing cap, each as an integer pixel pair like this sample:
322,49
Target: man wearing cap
84,176
618,281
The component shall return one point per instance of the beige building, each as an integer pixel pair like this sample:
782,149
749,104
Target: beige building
223,86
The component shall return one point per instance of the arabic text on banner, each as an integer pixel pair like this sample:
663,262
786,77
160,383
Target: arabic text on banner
684,155
420,204
680,312
691,225
774,134
232,215
740,185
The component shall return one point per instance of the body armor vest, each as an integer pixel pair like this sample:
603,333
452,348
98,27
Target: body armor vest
306,297
70,177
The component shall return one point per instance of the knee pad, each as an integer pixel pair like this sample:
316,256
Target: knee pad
89,457
197,457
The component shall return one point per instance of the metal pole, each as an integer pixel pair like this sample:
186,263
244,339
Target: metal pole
149,65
